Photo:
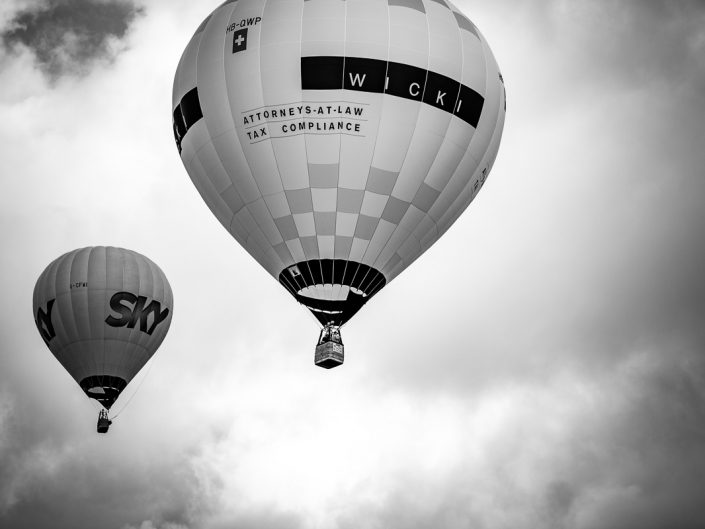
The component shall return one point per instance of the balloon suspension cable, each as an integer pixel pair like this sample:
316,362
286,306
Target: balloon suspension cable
149,368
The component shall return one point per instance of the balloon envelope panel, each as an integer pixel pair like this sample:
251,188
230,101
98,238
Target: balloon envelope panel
103,312
337,140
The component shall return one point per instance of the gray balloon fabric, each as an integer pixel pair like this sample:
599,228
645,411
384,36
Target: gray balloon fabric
103,312
337,140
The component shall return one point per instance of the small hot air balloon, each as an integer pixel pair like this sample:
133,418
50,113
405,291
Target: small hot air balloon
103,312
337,140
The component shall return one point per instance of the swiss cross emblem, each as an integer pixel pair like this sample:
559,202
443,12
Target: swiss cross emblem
240,40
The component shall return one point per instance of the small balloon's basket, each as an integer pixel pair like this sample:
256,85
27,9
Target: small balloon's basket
329,351
103,422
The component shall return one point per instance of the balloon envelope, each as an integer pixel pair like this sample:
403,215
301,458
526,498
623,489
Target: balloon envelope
103,312
337,140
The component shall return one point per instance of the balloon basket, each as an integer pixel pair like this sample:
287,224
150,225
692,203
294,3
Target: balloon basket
329,355
329,351
103,422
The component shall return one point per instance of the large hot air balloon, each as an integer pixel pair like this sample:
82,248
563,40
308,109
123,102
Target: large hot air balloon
337,140
103,312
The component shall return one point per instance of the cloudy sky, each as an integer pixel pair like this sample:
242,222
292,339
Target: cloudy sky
550,371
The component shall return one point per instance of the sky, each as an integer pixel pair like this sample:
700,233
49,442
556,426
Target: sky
542,365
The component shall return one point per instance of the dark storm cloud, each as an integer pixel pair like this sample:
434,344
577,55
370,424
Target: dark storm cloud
657,452
117,496
68,36
42,479
51,476
638,463
628,456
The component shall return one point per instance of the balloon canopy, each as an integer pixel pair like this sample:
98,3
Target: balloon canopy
103,312
337,140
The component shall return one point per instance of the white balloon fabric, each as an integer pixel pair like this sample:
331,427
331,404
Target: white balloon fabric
103,312
337,140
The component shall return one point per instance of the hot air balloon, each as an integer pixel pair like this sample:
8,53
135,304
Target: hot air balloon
337,140
103,312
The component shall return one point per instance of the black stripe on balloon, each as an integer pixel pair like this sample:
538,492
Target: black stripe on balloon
365,75
186,113
191,108
441,92
319,272
393,78
405,81
325,73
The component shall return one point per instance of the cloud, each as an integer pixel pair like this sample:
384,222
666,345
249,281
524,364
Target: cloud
149,524
46,468
618,450
579,51
259,518
636,42
630,42
70,36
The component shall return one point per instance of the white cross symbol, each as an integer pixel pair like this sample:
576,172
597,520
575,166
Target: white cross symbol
239,40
